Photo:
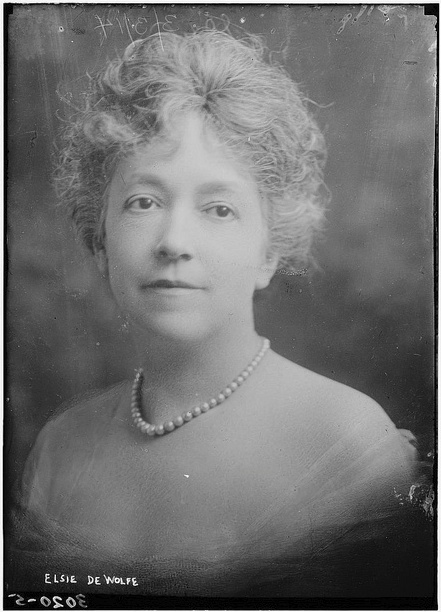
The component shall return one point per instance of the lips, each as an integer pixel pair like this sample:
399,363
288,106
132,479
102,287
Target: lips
166,289
168,284
163,283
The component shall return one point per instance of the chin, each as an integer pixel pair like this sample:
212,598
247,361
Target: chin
179,329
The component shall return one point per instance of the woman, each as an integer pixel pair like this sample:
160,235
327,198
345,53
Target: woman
194,174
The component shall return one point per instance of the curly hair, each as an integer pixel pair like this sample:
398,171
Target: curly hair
251,104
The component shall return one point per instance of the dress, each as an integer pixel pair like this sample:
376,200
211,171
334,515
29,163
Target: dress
341,526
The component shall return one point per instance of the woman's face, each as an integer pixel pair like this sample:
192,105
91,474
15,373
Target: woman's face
186,239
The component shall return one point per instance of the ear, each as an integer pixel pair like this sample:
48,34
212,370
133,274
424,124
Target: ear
267,271
100,256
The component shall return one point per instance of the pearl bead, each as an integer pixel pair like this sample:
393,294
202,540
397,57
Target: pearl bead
188,416
169,426
250,369
240,380
178,421
227,391
138,420
196,411
159,430
233,386
151,430
205,407
254,363
213,403
220,398
144,427
245,374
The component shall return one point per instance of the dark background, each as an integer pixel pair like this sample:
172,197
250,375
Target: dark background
365,319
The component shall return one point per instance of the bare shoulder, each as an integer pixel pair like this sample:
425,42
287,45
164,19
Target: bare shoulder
318,417
303,396
319,392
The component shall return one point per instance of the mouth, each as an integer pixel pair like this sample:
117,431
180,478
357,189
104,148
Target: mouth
168,284
171,288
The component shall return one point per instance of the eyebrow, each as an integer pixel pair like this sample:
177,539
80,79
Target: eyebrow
211,187
148,180
219,187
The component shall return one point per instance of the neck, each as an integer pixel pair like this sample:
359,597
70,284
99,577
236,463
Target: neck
179,375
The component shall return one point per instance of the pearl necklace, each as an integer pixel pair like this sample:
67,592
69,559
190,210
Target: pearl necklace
168,426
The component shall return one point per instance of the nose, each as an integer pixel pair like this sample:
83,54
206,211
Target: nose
175,238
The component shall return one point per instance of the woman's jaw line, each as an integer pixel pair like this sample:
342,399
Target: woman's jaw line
157,346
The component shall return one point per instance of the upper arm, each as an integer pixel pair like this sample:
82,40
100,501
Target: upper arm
37,474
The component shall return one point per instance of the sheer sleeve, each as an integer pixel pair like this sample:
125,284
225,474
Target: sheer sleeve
367,532
355,522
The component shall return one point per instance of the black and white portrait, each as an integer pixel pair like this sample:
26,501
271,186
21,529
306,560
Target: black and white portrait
220,330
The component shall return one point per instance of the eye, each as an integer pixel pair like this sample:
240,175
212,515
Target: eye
221,211
141,203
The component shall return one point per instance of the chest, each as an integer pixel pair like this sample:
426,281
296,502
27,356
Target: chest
202,499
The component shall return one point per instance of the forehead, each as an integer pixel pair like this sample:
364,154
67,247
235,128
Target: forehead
189,152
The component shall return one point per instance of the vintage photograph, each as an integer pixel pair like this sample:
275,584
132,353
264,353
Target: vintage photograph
220,384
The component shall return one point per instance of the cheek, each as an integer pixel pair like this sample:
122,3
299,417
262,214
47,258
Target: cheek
123,245
239,265
122,263
251,251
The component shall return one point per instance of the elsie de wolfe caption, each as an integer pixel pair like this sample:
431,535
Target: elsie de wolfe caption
98,580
